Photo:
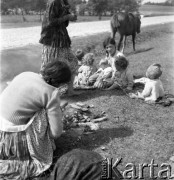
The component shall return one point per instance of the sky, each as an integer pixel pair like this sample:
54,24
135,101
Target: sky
156,1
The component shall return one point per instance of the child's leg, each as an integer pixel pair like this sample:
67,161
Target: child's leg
92,79
113,86
108,83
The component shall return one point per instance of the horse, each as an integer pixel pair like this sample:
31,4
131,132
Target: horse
126,24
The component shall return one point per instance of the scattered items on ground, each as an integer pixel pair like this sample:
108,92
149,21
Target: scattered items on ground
103,148
80,115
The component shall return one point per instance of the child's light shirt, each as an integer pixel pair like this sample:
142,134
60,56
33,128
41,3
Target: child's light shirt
87,70
105,73
84,73
124,79
153,90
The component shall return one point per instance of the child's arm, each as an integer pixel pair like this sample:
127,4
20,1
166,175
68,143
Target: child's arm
142,80
103,61
147,90
80,69
114,86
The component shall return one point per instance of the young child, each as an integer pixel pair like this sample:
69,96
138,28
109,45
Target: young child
107,67
79,54
122,78
86,70
153,86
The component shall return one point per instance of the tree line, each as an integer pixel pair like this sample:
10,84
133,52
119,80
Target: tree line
166,3
81,7
93,6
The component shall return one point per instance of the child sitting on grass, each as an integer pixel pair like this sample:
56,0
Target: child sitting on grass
101,74
85,71
107,66
122,78
79,54
153,86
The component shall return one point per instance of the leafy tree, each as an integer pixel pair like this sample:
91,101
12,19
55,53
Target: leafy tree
82,9
98,6
74,3
39,5
169,2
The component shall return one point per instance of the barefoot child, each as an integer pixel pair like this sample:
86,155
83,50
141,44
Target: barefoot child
153,86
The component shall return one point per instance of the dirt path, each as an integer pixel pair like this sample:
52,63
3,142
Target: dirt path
18,37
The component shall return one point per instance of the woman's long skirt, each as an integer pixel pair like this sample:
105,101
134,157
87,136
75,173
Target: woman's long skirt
27,153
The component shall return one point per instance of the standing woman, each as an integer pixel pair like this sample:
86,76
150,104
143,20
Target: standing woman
54,36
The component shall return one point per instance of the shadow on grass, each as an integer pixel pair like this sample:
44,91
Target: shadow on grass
139,51
71,139
91,94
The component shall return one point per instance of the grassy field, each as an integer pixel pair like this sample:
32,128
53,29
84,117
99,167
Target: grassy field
142,132
135,131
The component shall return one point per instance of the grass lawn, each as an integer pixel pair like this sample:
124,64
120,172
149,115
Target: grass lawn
135,131
143,132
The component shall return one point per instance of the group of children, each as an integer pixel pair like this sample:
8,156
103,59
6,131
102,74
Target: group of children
114,73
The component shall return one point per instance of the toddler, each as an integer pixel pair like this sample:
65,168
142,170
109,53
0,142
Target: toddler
122,78
79,54
153,86
86,70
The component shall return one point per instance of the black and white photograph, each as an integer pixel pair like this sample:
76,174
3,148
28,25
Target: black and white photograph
87,89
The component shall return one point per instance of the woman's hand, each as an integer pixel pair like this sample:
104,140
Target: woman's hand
72,17
63,105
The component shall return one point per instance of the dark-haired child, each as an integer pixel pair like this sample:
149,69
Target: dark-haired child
80,54
122,78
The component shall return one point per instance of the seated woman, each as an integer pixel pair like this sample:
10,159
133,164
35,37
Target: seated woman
85,71
30,119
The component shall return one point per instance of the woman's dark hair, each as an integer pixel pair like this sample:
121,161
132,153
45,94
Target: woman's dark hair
121,62
107,41
56,73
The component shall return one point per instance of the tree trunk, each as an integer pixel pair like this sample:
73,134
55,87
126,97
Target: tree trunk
23,18
99,17
40,16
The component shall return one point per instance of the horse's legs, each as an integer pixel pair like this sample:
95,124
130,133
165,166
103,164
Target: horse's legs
133,40
124,44
113,32
119,44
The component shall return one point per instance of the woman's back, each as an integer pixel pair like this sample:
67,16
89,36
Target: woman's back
27,94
